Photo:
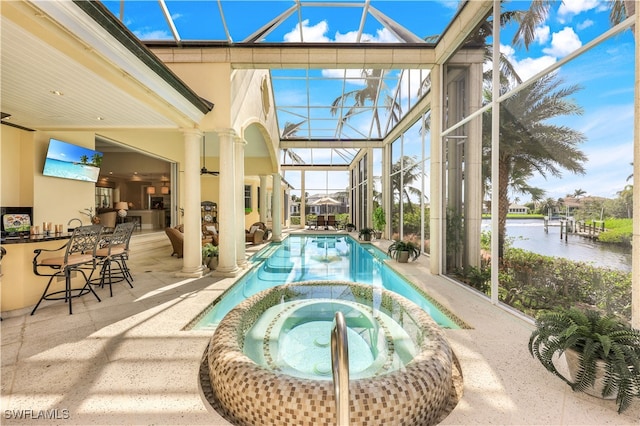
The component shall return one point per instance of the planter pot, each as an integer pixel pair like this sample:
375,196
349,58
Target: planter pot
573,364
213,263
366,237
403,256
210,262
377,234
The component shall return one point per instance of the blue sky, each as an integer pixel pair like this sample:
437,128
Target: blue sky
605,73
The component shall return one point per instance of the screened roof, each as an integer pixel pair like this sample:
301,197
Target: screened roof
331,106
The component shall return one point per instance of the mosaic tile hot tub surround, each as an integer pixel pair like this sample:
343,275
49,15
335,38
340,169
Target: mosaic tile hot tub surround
413,393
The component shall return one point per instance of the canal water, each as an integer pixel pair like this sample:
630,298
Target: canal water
529,234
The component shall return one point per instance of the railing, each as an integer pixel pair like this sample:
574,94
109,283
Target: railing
340,367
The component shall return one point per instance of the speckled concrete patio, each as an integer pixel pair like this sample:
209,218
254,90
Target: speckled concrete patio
127,360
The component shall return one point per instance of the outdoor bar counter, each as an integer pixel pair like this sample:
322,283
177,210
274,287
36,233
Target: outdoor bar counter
20,287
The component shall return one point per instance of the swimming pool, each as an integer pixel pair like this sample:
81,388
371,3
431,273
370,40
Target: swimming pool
319,257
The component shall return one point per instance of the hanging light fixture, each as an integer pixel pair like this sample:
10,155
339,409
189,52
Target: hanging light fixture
151,190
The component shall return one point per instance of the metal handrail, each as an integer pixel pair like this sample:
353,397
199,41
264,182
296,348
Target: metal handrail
340,368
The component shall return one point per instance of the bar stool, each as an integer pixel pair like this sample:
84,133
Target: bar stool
79,255
115,251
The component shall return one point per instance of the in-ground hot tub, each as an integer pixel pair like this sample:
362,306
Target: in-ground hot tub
269,360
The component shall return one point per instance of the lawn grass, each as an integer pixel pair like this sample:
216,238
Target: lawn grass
618,231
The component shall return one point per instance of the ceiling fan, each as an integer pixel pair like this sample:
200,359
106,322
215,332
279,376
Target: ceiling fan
204,170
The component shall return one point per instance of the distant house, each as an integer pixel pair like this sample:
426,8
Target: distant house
518,209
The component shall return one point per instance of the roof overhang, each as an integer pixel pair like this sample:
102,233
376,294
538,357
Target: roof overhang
61,69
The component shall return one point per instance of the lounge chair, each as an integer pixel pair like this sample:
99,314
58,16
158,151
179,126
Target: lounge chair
322,222
177,241
257,233
331,221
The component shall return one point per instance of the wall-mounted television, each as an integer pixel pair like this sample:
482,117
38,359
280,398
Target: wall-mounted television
68,161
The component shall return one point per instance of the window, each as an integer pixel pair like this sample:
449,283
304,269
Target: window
247,197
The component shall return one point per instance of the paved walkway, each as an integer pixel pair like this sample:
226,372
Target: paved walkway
127,361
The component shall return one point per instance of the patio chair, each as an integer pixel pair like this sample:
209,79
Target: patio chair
115,250
79,256
331,221
321,223
257,233
177,241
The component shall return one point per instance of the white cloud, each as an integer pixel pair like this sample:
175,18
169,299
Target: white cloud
315,33
353,76
145,34
563,42
575,7
527,67
318,33
585,24
541,34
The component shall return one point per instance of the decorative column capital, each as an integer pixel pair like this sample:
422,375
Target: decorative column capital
192,132
227,132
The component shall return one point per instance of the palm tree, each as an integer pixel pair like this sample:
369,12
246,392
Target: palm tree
626,195
401,180
96,159
548,206
578,193
529,144
290,130
619,10
370,93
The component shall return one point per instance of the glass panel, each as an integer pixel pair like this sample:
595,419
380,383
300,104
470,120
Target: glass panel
377,176
201,21
412,178
567,176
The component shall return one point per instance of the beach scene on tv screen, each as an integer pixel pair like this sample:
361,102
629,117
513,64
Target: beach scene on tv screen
69,161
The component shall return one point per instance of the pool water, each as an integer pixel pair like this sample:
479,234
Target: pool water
294,338
317,257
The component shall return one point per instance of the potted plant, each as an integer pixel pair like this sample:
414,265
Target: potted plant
402,251
210,256
602,352
379,221
350,227
365,234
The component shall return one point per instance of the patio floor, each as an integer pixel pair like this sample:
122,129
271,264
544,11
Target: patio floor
127,361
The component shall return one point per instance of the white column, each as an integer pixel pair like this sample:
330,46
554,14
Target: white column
227,207
386,189
264,217
473,171
192,248
277,207
238,152
436,191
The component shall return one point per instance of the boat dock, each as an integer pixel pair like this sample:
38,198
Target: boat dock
585,229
